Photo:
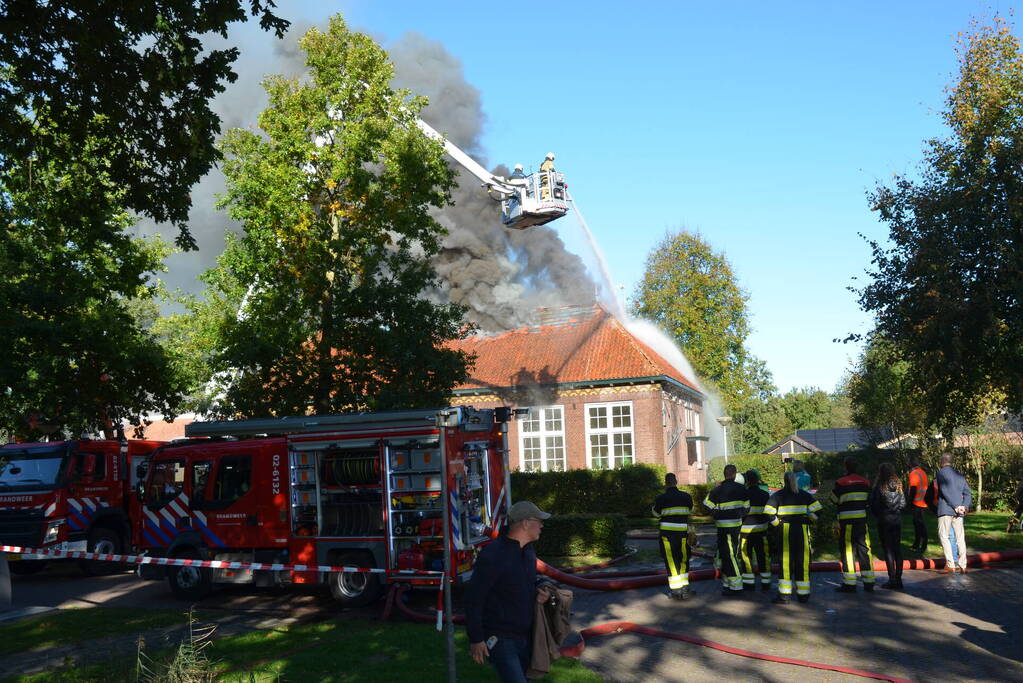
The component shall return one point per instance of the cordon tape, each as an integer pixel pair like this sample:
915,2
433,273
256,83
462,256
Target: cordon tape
213,564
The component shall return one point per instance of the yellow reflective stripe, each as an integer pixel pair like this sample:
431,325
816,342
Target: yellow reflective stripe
675,526
675,511
792,510
733,504
815,506
849,497
757,510
709,504
852,514
770,510
728,523
746,528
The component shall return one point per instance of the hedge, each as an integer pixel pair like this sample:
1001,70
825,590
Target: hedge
583,535
627,490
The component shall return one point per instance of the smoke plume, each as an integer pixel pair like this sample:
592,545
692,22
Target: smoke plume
501,275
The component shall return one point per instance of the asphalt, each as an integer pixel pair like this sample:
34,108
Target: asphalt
940,628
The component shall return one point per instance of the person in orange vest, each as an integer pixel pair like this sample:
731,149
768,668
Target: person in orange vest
916,492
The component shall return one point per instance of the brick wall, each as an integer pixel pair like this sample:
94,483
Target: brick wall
657,416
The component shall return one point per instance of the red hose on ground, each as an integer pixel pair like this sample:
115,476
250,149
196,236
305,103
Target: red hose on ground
613,627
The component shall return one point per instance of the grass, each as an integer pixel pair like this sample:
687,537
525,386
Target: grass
985,532
349,650
76,625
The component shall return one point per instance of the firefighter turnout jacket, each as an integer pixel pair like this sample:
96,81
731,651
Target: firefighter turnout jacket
852,492
753,537
728,502
672,508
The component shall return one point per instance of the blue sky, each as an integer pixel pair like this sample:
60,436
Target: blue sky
759,125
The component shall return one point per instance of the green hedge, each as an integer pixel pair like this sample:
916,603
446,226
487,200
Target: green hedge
582,535
627,490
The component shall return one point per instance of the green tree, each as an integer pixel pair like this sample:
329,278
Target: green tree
79,355
136,75
945,288
319,305
691,293
883,395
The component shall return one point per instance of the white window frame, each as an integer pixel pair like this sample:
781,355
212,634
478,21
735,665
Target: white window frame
546,450
610,431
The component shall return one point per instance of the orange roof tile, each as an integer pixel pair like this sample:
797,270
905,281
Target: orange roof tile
571,344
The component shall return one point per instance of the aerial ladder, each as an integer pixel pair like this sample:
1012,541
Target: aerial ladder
526,200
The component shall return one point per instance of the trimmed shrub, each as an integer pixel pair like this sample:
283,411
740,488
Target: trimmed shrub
582,535
627,490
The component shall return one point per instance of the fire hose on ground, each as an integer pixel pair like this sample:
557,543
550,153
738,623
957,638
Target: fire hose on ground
647,579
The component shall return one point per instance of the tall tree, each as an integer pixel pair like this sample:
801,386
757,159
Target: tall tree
885,401
690,291
334,197
78,355
946,287
133,73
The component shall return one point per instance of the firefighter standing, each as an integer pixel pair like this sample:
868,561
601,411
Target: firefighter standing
728,503
752,537
672,508
917,492
792,510
852,492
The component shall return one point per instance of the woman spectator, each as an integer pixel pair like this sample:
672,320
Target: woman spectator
887,502
792,510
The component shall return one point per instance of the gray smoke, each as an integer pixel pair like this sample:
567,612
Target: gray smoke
501,275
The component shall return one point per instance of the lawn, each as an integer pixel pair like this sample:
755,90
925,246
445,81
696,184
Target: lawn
349,650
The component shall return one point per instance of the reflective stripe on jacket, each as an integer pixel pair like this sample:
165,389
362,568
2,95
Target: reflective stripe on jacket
794,508
728,503
756,519
672,508
852,492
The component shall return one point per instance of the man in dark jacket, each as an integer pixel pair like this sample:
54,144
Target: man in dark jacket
954,500
672,508
728,502
500,596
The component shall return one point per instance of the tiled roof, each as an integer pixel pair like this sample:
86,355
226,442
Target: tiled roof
568,345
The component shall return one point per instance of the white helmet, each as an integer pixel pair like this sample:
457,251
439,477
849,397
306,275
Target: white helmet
518,167
550,155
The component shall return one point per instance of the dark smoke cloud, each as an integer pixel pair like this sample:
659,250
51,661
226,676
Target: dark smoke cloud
501,275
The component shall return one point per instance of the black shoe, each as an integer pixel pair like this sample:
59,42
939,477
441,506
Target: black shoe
868,587
893,584
780,599
803,598
765,587
846,588
685,594
676,594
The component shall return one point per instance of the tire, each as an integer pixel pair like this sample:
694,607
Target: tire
190,583
351,589
27,567
107,542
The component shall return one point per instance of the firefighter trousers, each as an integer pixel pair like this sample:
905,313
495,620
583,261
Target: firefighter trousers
728,552
795,558
675,553
754,558
854,546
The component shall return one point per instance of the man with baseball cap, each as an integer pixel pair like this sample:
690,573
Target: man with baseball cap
500,596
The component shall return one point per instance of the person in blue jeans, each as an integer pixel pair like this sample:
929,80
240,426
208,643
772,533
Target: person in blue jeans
501,596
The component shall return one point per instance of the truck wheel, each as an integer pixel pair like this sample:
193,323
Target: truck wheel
27,567
105,542
354,589
190,583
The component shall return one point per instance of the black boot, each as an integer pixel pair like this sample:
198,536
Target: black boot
781,599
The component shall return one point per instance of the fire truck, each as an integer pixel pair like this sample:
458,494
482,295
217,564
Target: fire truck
68,495
408,492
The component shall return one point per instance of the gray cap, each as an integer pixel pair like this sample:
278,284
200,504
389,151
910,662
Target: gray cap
525,510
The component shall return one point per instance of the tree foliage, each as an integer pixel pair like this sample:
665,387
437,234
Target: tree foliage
691,293
78,355
135,74
946,288
882,392
319,305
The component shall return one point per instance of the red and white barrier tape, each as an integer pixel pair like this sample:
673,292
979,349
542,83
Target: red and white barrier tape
214,564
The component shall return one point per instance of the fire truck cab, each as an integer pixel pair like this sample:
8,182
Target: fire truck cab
363,490
68,495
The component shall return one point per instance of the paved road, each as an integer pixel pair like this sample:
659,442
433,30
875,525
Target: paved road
941,628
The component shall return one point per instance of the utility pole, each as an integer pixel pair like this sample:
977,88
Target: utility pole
725,421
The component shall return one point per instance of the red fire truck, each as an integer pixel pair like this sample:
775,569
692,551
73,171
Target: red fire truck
365,490
68,495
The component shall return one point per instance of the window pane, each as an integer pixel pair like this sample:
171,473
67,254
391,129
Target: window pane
531,454
598,417
552,423
622,449
555,454
599,451
234,478
621,416
531,423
